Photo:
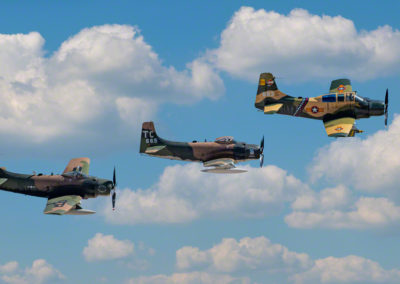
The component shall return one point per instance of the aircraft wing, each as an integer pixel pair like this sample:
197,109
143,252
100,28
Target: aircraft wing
340,86
78,165
69,205
226,166
339,127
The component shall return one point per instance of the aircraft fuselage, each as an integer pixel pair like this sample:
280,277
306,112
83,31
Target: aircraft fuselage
49,186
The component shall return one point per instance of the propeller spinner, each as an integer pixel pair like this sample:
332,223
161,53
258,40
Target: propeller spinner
262,152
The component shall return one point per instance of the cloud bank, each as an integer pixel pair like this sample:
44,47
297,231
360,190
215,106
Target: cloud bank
40,272
100,83
184,193
303,46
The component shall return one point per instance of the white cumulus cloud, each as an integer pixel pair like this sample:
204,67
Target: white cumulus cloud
370,165
302,45
40,272
249,254
9,267
107,247
189,278
349,269
184,193
243,255
100,83
366,213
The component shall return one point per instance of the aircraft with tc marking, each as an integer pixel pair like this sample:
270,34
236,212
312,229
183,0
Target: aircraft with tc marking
219,156
64,192
338,110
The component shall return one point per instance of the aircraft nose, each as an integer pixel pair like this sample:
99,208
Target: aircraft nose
376,108
253,152
105,188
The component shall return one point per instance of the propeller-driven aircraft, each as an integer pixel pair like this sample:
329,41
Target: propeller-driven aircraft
65,191
219,156
338,110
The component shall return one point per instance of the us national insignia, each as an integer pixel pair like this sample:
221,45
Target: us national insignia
339,128
314,109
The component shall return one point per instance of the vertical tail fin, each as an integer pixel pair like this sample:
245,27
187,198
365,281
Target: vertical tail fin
149,137
3,172
266,83
267,92
266,88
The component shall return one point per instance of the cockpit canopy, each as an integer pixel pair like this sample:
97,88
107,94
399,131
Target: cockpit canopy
74,174
339,97
225,140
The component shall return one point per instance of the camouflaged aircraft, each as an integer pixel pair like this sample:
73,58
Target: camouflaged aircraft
65,191
338,110
219,156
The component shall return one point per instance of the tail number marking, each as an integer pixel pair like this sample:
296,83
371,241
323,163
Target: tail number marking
150,137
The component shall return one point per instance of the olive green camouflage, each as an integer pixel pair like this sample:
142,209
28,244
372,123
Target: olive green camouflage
219,156
65,191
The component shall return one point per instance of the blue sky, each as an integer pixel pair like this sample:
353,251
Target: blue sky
78,79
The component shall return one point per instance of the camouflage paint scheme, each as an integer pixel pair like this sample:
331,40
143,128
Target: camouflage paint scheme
64,192
338,110
222,154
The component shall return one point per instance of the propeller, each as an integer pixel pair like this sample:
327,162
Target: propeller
262,152
386,106
114,194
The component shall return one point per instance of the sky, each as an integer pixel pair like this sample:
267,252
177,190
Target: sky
77,79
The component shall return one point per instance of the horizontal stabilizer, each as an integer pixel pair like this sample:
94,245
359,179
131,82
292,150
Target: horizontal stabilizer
273,108
154,149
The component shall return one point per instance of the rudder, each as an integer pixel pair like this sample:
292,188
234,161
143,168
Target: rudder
149,136
266,89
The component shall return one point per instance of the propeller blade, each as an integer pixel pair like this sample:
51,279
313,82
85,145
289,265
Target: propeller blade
114,196
261,160
114,178
262,145
262,152
386,106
